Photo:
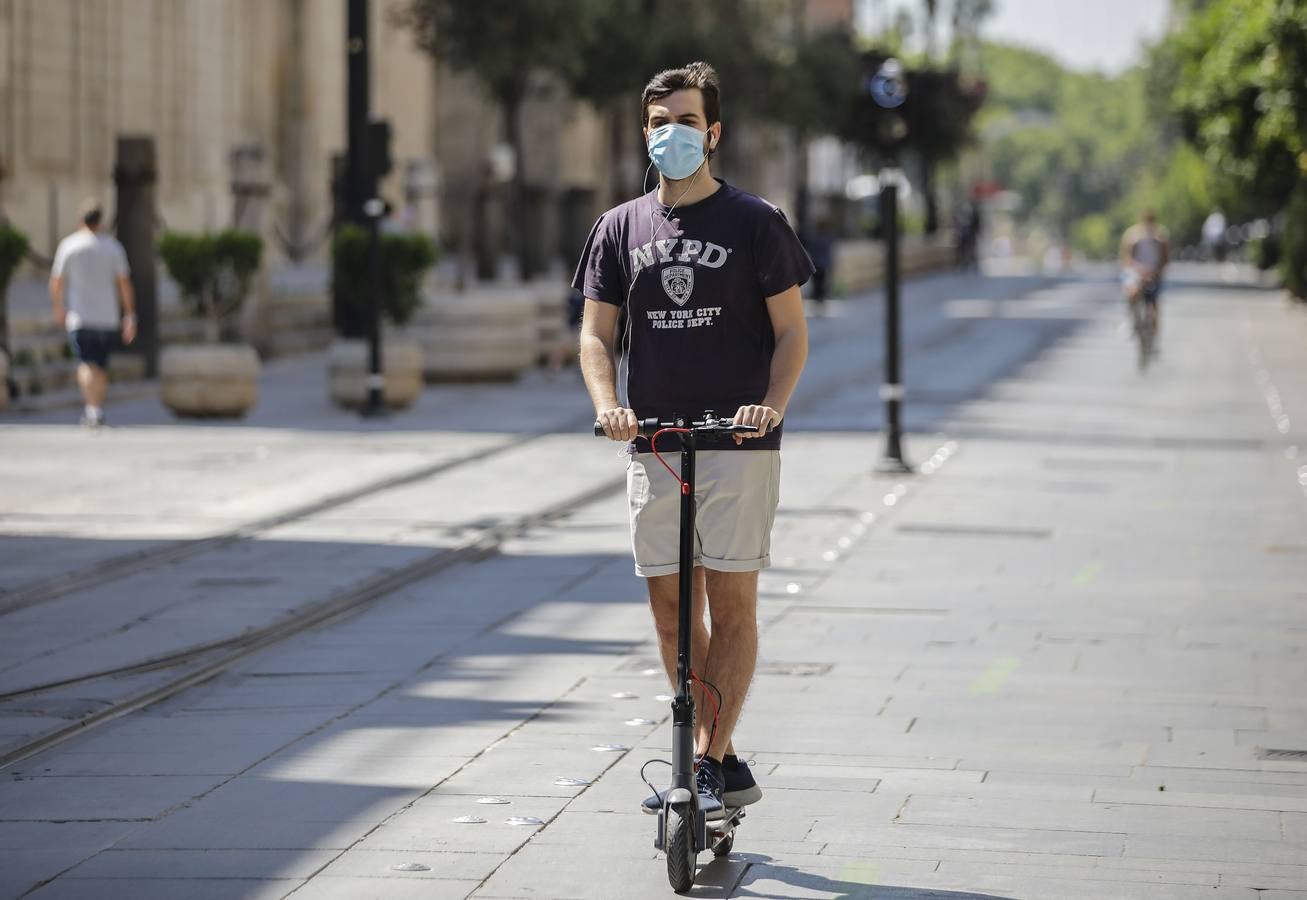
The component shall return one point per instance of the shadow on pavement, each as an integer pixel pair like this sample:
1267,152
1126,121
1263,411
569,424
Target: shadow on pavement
857,881
306,745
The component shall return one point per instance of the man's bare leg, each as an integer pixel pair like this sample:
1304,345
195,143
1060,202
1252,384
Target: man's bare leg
93,383
664,597
733,650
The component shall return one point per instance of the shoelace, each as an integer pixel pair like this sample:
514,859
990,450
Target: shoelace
705,783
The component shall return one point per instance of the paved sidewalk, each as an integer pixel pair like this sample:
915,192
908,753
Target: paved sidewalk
1050,668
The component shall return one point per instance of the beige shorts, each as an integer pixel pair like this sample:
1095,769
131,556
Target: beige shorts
736,493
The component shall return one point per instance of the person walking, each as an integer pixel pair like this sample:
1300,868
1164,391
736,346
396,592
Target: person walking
1214,243
820,245
709,276
89,283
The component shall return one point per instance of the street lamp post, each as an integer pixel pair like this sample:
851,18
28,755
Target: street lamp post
359,182
375,406
892,390
889,89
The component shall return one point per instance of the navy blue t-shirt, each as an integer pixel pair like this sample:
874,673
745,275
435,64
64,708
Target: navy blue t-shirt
698,282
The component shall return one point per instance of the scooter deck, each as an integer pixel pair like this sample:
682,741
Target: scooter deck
718,828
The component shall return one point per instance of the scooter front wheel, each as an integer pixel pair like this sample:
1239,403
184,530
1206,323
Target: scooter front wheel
681,856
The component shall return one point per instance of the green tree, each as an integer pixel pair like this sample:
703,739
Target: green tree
938,115
1241,98
1072,145
632,40
504,44
815,82
933,124
1021,80
13,249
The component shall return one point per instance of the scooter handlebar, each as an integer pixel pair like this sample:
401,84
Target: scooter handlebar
648,427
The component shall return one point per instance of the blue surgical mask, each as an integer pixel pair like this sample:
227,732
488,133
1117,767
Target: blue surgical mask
677,150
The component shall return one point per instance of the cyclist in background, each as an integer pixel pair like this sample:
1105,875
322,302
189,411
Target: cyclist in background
1145,251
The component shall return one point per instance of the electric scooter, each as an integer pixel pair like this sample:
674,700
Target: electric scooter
684,830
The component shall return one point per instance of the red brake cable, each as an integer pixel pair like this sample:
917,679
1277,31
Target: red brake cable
653,445
708,692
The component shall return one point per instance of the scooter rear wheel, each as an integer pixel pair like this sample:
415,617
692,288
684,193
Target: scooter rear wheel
681,857
724,846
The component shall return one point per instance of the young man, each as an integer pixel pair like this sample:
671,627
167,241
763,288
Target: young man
88,282
709,276
1145,251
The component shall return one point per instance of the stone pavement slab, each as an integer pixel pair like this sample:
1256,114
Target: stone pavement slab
167,888
997,662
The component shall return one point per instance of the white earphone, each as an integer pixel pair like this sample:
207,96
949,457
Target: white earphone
623,389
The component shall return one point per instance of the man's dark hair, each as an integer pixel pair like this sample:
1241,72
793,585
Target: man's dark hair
696,75
92,214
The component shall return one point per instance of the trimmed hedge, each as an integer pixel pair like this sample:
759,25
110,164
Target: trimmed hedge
405,258
213,271
13,249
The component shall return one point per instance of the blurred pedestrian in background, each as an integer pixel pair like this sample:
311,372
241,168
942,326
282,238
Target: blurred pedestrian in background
1214,236
91,293
966,229
820,244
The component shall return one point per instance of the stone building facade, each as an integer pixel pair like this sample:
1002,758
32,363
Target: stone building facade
205,77
202,78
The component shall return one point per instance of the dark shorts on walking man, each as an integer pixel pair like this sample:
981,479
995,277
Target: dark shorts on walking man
93,345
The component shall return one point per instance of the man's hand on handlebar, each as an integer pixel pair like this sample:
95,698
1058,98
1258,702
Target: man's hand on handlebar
764,418
619,424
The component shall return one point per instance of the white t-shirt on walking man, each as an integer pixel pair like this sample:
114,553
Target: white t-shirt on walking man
90,265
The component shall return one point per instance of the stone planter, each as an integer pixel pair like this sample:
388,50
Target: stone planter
486,334
209,380
401,366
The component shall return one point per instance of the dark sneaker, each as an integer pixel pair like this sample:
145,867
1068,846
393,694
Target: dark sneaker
652,804
741,789
711,783
712,803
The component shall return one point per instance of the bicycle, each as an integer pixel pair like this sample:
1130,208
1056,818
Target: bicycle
1143,311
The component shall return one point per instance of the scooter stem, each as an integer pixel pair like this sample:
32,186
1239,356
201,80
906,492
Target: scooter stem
683,705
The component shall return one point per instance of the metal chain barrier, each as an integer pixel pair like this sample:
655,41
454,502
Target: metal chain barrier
297,252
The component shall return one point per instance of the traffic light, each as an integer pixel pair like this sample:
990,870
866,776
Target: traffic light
380,162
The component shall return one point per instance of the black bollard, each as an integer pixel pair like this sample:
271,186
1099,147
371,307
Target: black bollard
375,405
892,390
134,176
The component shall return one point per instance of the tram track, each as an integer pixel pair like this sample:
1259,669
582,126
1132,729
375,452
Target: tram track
132,563
209,660
123,565
128,564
